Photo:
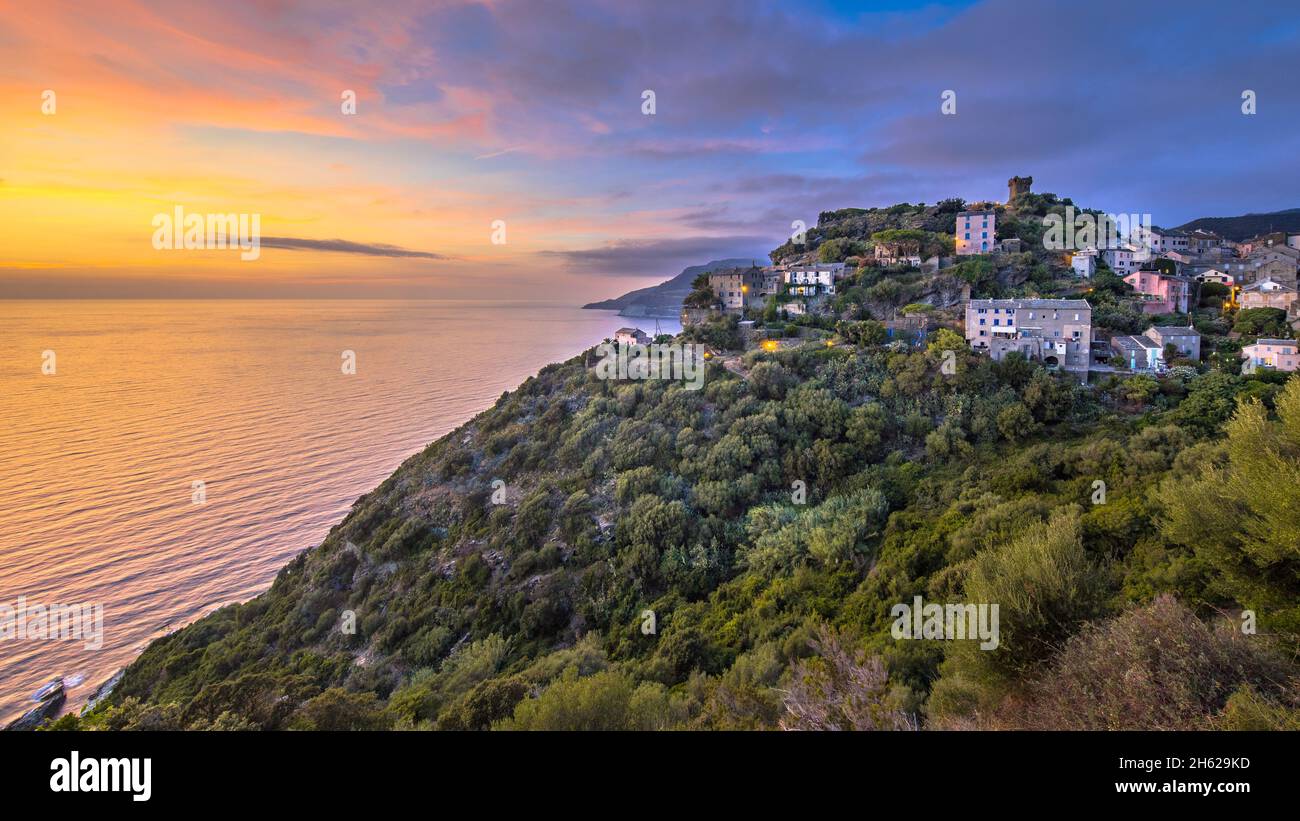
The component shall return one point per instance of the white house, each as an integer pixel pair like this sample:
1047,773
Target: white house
1124,260
1084,263
811,280
631,336
1161,240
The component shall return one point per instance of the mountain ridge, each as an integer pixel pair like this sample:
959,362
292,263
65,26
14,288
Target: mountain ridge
1246,226
664,301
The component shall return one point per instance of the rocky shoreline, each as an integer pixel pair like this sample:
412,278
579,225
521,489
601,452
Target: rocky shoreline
52,698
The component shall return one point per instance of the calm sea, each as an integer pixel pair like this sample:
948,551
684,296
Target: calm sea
99,459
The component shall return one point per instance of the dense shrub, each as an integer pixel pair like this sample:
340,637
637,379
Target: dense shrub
1158,668
604,701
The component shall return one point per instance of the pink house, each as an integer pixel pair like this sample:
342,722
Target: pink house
1161,293
1271,353
976,232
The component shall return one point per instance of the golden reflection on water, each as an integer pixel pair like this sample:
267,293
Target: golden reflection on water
98,460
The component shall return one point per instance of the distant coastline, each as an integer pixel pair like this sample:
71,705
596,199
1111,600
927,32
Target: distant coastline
664,301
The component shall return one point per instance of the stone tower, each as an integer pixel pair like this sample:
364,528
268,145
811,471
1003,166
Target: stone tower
1017,186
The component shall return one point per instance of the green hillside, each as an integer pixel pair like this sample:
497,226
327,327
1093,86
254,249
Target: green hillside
622,498
603,554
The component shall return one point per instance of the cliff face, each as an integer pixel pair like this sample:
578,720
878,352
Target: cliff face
665,299
579,525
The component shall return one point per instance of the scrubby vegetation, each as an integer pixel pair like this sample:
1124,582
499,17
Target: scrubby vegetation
654,557
593,554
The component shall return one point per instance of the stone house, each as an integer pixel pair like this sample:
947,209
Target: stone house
1185,339
1056,332
1267,293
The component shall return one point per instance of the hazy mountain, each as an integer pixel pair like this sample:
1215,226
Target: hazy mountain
1248,225
665,299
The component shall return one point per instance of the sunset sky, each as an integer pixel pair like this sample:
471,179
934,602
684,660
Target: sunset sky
531,113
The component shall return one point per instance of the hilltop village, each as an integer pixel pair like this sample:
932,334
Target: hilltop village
1125,300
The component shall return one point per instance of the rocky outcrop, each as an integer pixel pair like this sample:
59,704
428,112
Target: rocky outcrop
51,698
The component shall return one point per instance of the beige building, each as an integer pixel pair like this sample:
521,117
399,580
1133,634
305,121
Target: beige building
632,336
1253,244
1281,354
1056,332
738,288
1200,241
1268,294
1275,262
1278,264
